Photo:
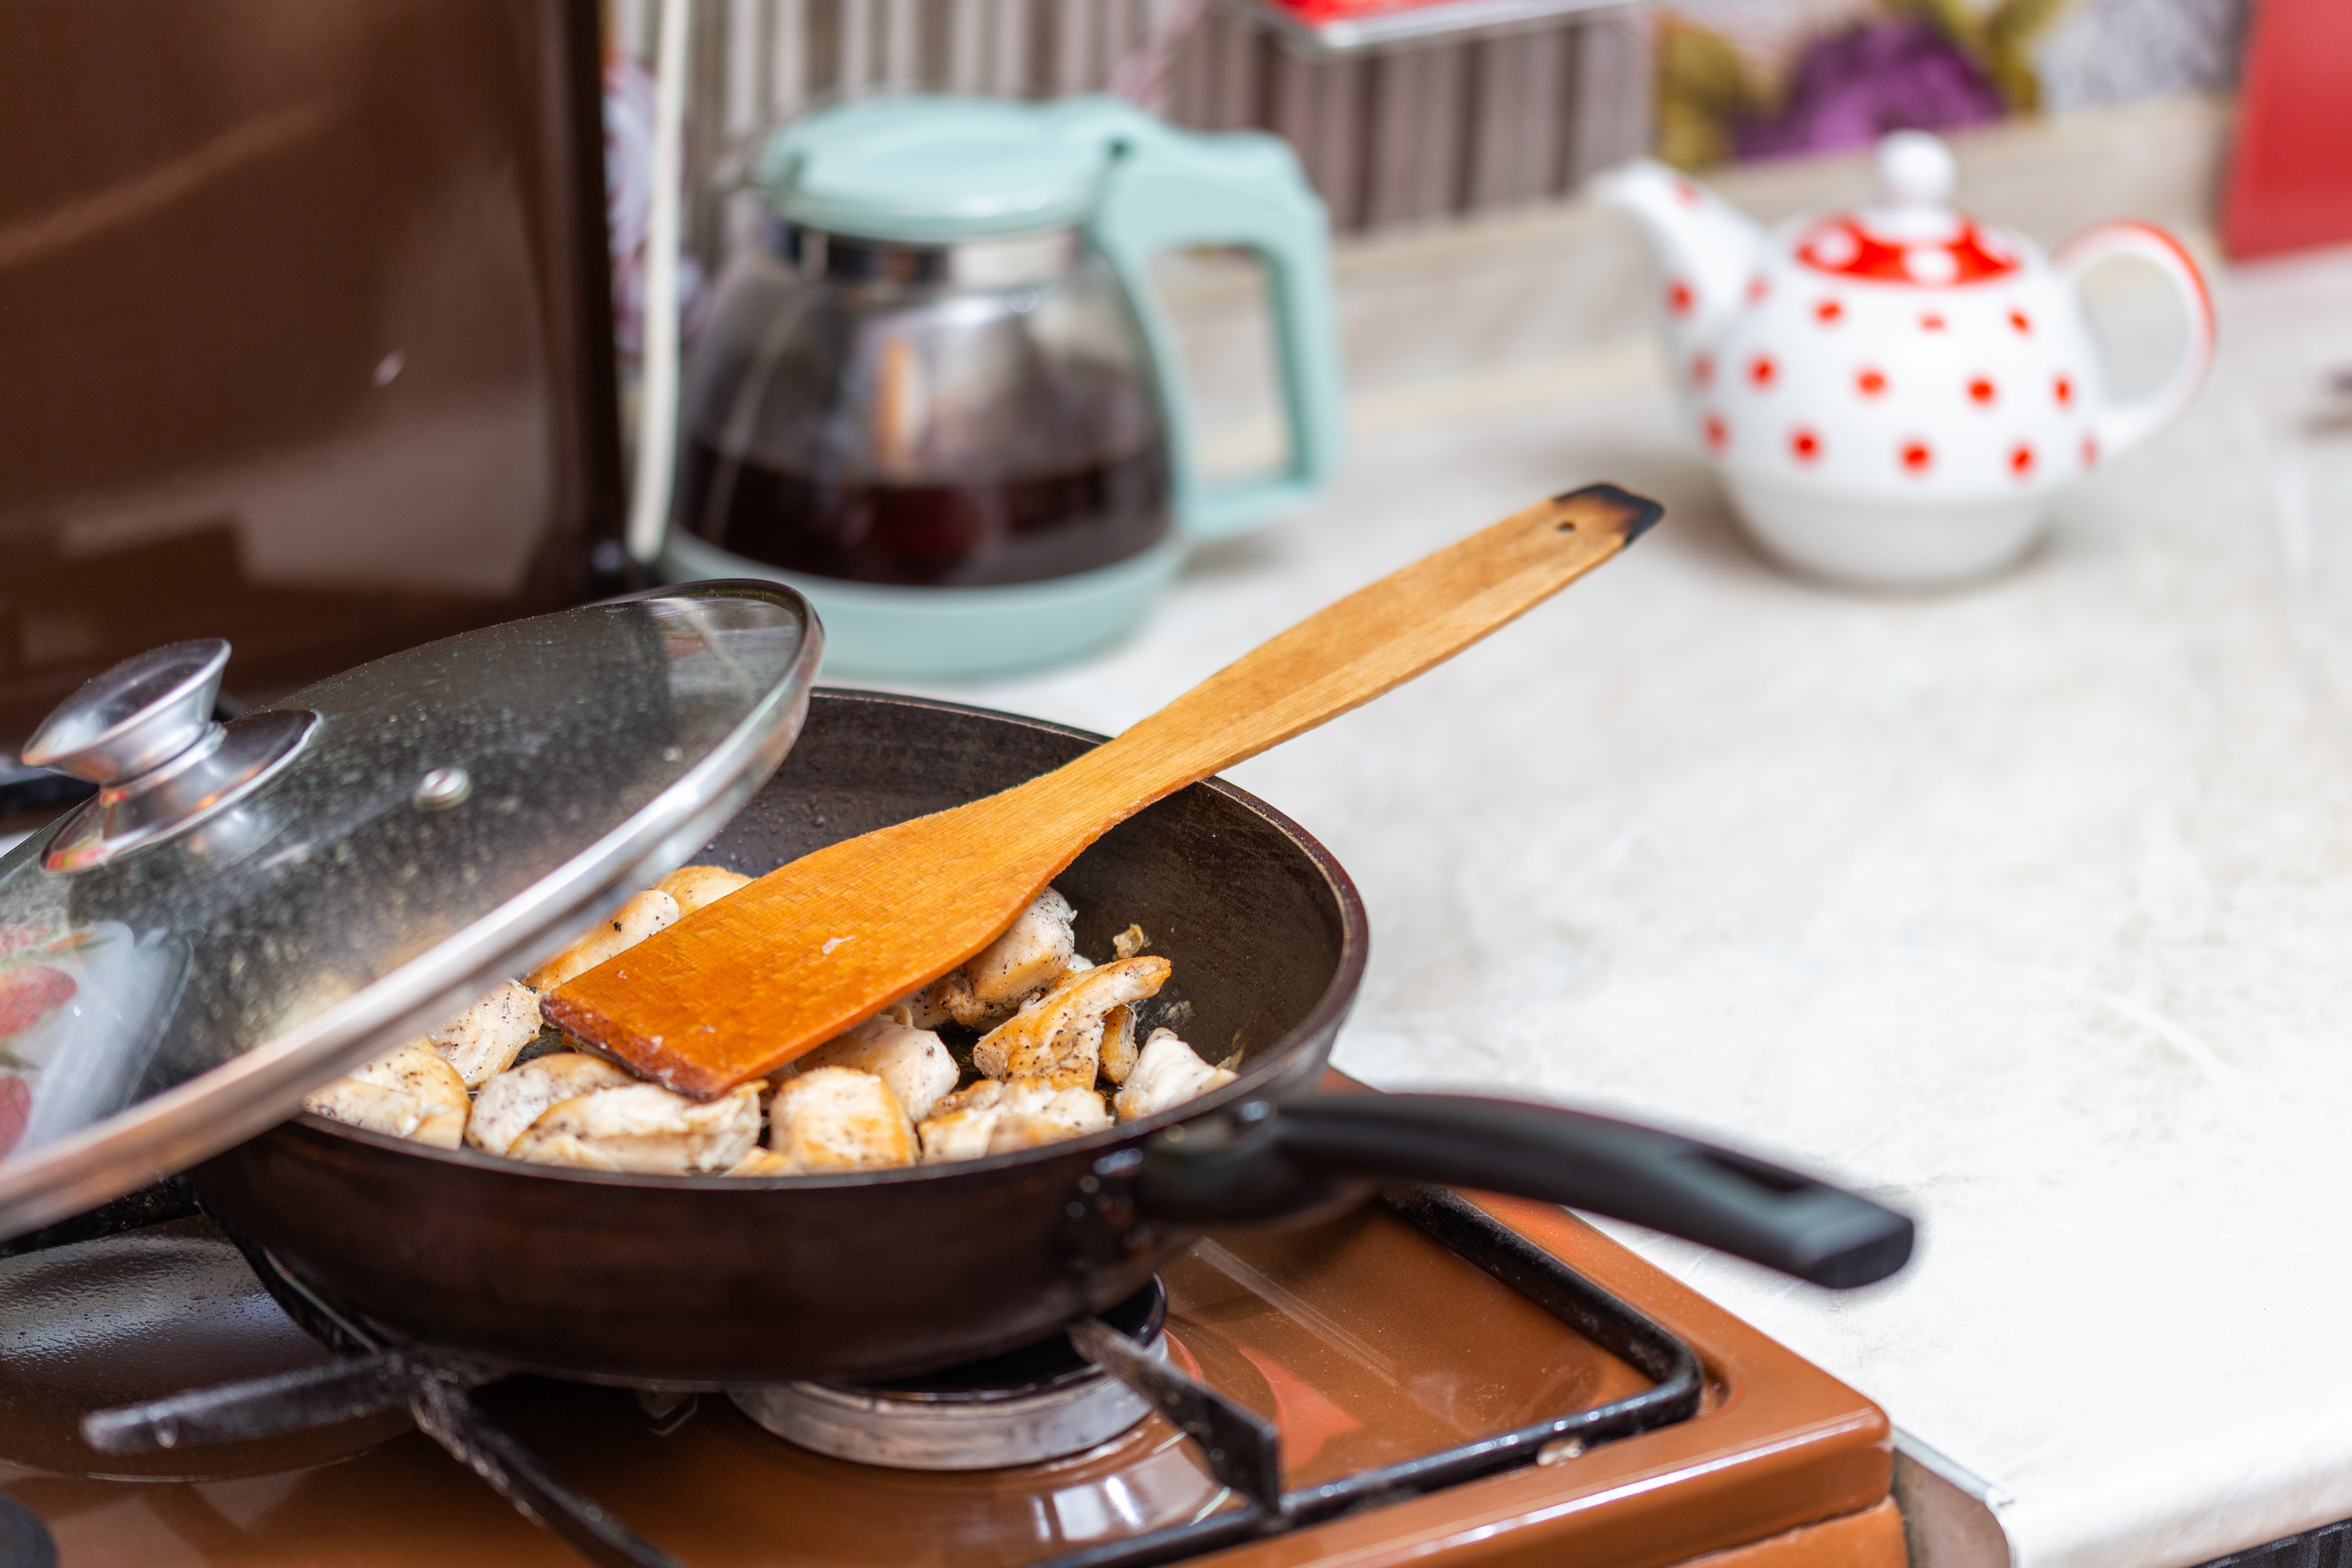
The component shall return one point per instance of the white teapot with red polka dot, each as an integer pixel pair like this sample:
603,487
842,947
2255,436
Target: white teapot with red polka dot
1894,395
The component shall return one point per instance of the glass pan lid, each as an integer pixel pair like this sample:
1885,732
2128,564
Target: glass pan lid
453,814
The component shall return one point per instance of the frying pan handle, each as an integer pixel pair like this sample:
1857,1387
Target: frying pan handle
1272,1161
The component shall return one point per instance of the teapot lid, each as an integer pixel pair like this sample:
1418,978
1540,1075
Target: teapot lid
1912,236
245,909
933,170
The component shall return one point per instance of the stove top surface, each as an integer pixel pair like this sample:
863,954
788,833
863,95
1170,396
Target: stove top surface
1364,1340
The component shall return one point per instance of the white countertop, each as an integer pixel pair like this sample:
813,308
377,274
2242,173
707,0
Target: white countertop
2027,907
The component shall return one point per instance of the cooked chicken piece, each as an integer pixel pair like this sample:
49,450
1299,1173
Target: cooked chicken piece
839,1119
961,1124
762,1162
1072,1113
519,1096
924,1009
913,1063
409,1093
998,1094
1129,943
1058,1037
994,1117
1118,1044
489,1034
695,886
1031,955
648,912
645,1127
958,1135
948,999
1167,1072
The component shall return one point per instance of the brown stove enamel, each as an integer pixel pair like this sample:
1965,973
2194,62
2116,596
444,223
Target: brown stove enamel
1364,1340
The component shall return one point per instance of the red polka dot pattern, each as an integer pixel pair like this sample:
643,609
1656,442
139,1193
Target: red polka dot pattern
1679,298
1829,312
2090,451
2020,461
1718,435
2065,388
1805,445
1980,393
1763,371
1871,383
1756,288
1931,322
1916,458
1702,371
2019,320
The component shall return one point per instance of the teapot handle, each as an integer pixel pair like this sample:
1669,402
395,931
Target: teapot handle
1170,188
2118,425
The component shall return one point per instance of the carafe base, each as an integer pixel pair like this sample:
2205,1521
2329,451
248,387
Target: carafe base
878,632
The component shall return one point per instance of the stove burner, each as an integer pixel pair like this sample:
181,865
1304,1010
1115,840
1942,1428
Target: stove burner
1041,1402
1239,1447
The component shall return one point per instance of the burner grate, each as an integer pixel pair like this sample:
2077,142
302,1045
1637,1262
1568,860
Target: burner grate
1241,1450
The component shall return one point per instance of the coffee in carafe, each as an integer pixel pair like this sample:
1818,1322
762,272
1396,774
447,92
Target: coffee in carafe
919,432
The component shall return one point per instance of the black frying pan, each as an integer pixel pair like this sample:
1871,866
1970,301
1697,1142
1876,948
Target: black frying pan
715,1280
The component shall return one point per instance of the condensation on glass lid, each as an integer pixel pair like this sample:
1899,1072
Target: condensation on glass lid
456,810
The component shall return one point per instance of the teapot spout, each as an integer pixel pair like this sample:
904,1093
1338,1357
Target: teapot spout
1706,248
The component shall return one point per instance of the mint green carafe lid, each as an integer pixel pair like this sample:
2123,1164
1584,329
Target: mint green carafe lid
935,169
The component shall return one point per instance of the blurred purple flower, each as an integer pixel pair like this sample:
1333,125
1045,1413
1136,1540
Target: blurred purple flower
1854,87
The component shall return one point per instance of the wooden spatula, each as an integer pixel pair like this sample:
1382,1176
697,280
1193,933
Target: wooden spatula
744,985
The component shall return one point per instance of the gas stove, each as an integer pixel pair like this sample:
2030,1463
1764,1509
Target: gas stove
1463,1379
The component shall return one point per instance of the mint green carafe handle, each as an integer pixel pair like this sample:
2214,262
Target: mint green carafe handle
1169,189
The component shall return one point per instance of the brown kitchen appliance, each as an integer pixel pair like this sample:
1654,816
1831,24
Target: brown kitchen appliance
307,336
1438,1379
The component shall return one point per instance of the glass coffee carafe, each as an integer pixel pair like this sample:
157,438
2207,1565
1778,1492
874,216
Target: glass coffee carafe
940,400
971,414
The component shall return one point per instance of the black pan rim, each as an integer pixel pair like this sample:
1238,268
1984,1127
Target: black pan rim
1328,1013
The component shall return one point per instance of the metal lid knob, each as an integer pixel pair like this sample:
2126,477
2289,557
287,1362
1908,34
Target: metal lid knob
136,717
143,732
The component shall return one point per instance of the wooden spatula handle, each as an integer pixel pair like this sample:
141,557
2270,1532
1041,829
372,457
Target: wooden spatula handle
1378,638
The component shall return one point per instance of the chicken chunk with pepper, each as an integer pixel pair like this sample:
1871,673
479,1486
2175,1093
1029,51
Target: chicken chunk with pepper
643,1127
409,1093
913,1063
839,1119
1058,1037
997,1116
1168,1072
